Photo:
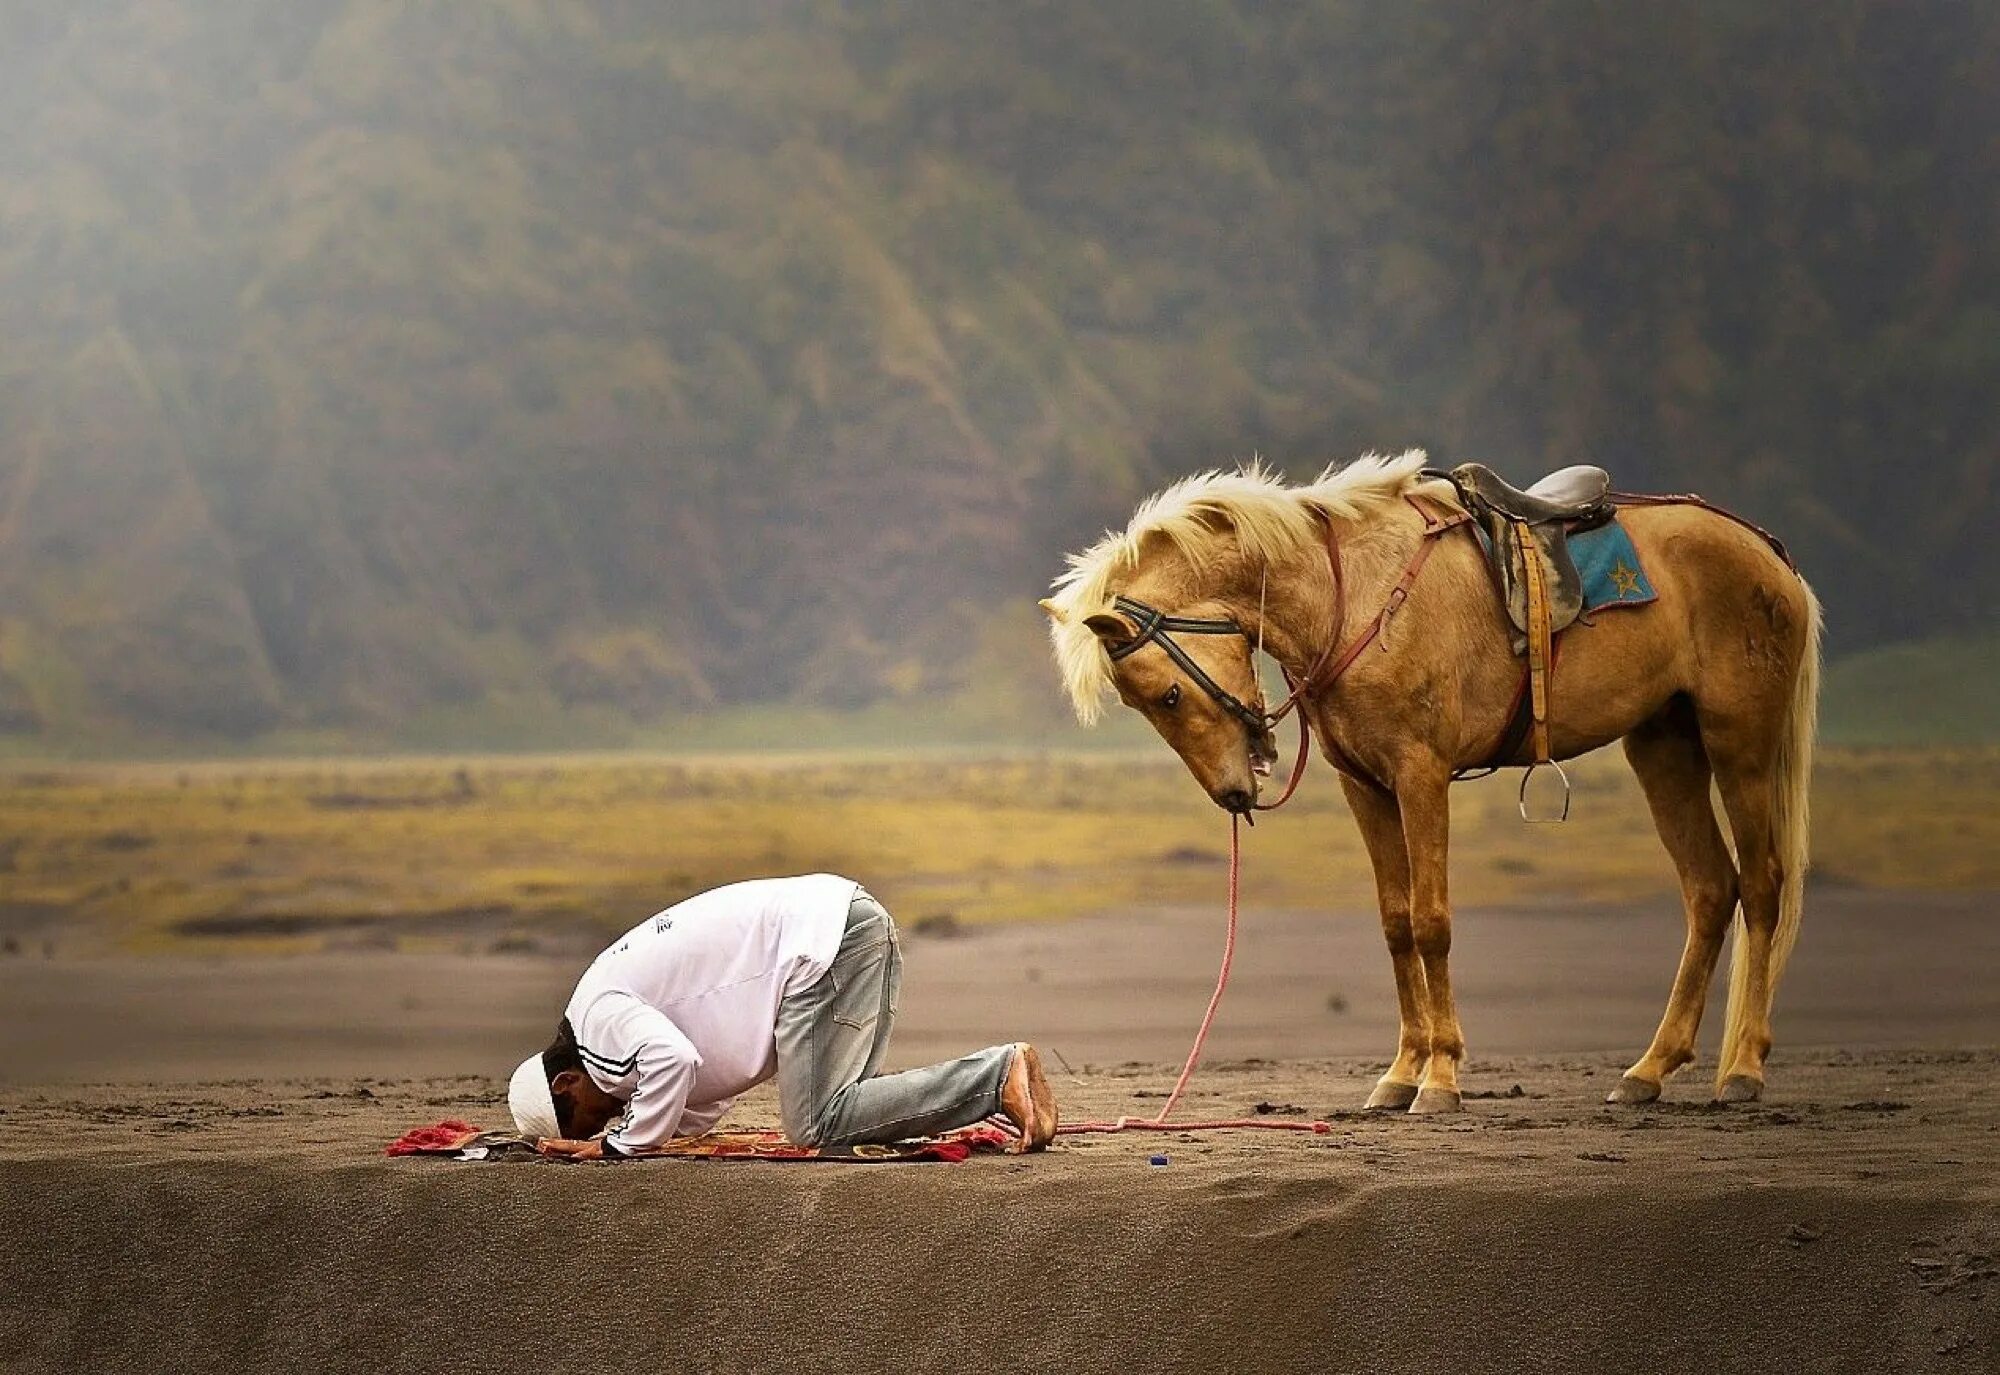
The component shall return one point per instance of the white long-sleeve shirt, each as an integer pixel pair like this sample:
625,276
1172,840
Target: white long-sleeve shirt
679,1015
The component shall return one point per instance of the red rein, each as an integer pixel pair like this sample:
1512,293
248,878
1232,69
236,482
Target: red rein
1161,1123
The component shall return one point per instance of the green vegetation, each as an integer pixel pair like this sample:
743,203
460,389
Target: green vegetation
553,372
1915,694
559,851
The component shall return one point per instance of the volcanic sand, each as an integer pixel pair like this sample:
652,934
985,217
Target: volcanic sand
224,1204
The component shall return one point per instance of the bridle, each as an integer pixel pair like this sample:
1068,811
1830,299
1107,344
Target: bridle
1155,626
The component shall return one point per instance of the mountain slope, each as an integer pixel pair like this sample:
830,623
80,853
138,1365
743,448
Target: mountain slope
368,360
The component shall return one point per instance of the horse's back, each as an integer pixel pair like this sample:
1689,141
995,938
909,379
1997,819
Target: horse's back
1697,556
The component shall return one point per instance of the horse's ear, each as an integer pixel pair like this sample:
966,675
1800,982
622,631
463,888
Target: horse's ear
1109,626
1056,613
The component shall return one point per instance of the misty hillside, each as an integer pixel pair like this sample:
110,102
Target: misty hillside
366,361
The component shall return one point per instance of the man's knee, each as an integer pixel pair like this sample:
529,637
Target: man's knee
820,1129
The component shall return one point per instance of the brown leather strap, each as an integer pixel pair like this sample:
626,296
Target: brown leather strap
1690,499
1298,771
1304,683
1540,636
1434,526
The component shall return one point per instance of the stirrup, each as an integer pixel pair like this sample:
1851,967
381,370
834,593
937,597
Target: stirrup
1522,798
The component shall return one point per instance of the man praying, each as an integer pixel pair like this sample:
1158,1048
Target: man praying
796,977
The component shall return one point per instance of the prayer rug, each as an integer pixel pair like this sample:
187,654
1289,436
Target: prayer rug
463,1141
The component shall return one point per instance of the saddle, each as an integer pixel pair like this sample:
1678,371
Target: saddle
1576,493
1527,542
1539,518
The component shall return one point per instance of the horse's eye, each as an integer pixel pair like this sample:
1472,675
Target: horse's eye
1172,697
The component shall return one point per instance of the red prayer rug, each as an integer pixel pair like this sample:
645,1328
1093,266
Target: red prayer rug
463,1141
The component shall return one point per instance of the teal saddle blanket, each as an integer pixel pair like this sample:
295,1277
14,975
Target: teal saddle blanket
1612,573
1610,567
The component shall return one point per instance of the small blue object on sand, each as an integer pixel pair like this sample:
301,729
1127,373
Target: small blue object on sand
1159,1159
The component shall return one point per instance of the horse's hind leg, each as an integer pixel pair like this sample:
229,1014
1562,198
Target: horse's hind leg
1748,782
1666,753
1381,824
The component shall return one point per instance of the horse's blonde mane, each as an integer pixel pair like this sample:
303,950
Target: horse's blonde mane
1270,519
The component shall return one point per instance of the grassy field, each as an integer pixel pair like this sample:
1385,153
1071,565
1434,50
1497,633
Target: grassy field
1868,696
557,851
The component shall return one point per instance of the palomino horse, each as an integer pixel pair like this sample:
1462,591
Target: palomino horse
1716,680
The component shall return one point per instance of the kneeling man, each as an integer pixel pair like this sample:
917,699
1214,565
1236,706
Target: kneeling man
792,976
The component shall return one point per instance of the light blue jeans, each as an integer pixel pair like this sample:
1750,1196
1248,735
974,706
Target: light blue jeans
831,1038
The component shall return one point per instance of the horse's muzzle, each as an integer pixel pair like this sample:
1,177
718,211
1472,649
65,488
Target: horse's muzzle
1240,801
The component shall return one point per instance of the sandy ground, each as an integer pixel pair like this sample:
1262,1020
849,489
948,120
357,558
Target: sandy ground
223,1205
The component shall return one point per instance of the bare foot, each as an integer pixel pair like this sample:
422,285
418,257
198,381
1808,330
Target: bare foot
1027,1100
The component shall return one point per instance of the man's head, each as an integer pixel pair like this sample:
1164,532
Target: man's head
552,1094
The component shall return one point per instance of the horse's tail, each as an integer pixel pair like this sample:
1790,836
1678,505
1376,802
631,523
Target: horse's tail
1791,834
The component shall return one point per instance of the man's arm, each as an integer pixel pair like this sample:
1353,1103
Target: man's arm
667,1063
664,1065
696,1121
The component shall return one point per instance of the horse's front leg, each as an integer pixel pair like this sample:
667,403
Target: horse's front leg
1423,796
1381,825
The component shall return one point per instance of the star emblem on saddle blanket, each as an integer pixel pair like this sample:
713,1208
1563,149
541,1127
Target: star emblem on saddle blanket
1626,580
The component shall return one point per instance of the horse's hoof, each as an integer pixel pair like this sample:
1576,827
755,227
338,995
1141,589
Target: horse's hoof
1740,1088
1437,1100
1390,1096
1630,1090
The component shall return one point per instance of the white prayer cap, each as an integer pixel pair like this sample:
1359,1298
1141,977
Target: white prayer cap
534,1107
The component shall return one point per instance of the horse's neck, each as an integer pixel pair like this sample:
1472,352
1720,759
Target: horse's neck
1312,621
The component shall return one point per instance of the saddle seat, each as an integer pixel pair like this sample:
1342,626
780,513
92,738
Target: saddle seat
1580,492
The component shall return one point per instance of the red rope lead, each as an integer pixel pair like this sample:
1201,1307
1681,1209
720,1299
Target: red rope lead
1161,1123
